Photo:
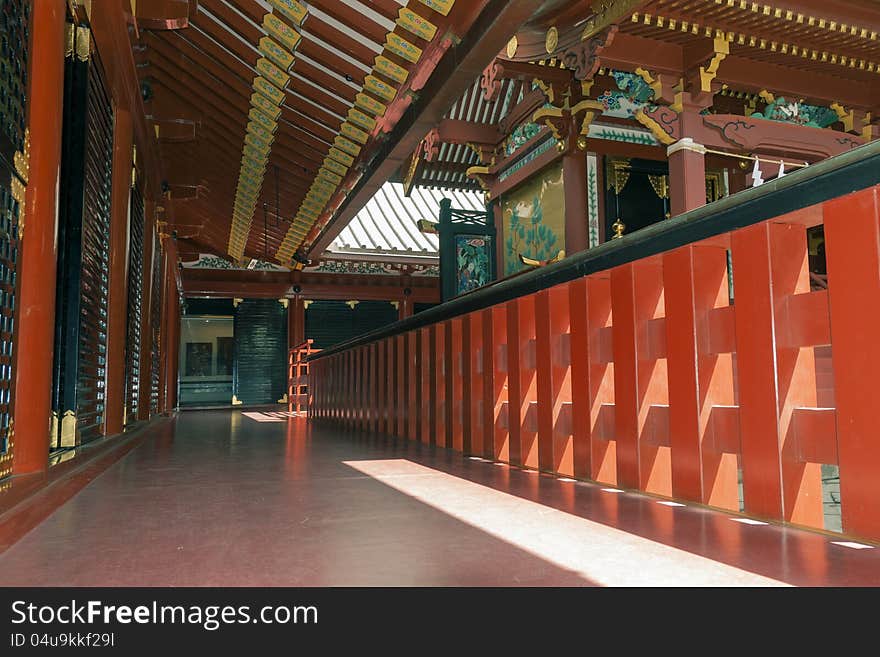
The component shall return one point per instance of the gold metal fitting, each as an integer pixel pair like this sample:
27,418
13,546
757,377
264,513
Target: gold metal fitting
618,227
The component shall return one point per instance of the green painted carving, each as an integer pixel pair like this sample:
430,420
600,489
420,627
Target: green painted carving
813,116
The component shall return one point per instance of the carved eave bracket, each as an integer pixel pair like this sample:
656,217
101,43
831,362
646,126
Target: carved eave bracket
699,81
857,122
584,57
487,153
482,175
431,145
490,80
559,121
667,88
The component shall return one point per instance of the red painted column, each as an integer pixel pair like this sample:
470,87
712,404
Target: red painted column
171,352
413,385
600,326
364,392
35,312
512,360
574,176
147,312
381,387
474,408
774,378
402,386
390,386
687,176
579,351
117,300
528,382
560,378
347,398
496,437
543,409
439,390
852,236
454,389
296,322
426,405
700,379
640,382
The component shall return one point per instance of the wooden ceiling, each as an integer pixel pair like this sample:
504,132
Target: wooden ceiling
256,196
276,193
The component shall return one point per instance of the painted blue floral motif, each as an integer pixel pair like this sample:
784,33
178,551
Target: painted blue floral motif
472,262
813,116
520,135
634,94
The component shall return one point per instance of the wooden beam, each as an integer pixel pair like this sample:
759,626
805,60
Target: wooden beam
455,71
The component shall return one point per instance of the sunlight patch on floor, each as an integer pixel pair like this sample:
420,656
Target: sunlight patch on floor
599,553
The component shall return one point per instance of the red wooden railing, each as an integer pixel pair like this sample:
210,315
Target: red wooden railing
644,375
298,395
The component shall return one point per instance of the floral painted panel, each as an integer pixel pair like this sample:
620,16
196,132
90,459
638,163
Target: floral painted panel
534,219
472,262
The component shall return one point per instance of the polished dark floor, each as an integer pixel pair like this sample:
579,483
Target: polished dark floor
221,498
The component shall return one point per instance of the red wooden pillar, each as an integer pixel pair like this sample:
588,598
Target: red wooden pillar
351,388
455,359
369,395
390,386
404,308
338,389
544,407
700,376
527,391
296,322
579,350
687,176
770,265
402,386
473,389
373,417
640,382
381,387
413,385
147,293
333,367
117,301
514,395
496,435
852,236
171,326
35,314
363,389
553,361
574,175
439,388
426,384
600,370
560,378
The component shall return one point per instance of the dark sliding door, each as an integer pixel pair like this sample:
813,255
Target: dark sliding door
260,345
84,228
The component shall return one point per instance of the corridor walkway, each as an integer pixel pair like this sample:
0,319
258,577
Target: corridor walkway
233,499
